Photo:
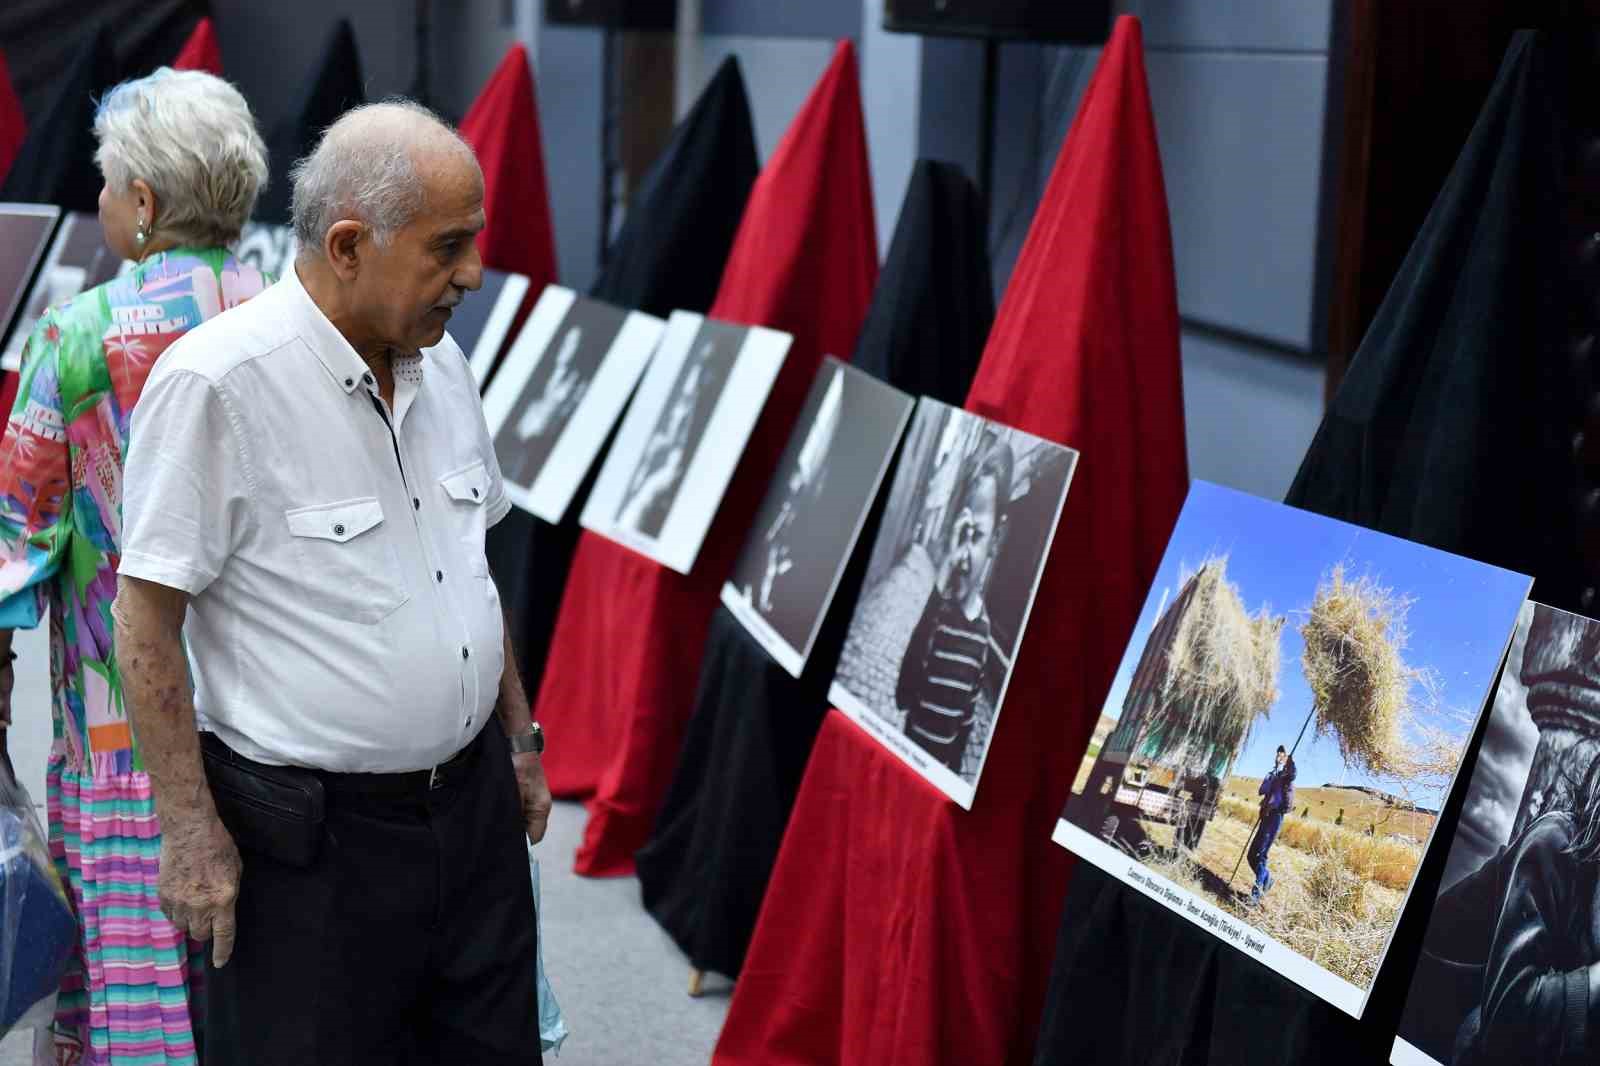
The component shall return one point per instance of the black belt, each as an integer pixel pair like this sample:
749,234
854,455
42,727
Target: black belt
409,782
446,774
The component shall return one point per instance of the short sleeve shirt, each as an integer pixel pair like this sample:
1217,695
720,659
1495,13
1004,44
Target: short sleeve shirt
342,614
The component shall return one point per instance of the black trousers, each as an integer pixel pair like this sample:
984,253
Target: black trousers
410,941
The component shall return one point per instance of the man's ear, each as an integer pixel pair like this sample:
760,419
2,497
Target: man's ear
343,247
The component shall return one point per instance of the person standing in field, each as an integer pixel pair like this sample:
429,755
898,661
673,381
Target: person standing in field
1277,800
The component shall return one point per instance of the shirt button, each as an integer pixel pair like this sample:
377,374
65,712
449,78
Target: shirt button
338,531
438,575
464,652
349,383
416,503
474,494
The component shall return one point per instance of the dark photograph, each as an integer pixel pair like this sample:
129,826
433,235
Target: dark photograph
268,247
560,389
679,429
24,233
966,531
814,509
1509,962
683,436
551,394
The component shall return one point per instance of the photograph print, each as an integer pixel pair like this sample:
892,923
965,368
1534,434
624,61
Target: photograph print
561,388
796,553
1509,964
1284,728
484,317
267,246
684,433
965,534
24,235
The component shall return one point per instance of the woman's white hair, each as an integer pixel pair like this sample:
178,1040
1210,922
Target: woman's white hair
189,136
365,168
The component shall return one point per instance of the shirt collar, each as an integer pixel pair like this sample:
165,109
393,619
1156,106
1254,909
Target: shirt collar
347,369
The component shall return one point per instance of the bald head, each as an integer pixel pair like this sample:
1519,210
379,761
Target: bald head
386,210
377,165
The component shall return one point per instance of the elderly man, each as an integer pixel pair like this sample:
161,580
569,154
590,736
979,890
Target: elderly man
310,479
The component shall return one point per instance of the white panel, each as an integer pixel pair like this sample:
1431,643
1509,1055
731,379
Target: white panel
891,73
1241,146
1251,414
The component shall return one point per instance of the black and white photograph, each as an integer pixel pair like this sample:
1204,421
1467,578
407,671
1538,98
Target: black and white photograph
965,534
560,390
267,246
1509,962
683,436
483,319
806,530
24,234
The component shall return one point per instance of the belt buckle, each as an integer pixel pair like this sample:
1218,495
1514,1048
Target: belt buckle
433,779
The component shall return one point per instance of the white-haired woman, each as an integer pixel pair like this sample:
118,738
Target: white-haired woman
182,162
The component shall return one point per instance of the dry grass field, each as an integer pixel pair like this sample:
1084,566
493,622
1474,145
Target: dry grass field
1345,807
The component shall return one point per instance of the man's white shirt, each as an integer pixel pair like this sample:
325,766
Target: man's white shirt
342,614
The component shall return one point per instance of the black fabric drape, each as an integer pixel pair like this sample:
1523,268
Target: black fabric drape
706,868
43,38
335,87
668,257
1452,428
55,164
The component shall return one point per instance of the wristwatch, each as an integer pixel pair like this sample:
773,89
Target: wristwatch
532,740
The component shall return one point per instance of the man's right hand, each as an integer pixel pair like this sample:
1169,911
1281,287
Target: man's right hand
199,881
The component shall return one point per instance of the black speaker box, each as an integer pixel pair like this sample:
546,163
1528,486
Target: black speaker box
660,15
1065,21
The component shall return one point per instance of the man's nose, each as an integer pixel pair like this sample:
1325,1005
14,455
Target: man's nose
469,275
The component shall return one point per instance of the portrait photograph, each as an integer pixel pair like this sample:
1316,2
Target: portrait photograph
683,437
25,231
1514,936
267,246
966,531
1284,728
561,388
806,530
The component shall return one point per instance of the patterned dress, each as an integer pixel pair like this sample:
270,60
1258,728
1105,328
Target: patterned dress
128,1000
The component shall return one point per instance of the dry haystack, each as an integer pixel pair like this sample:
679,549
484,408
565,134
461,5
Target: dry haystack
1364,693
1222,675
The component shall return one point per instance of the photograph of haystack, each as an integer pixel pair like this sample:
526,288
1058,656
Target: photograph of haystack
966,530
1507,965
1284,728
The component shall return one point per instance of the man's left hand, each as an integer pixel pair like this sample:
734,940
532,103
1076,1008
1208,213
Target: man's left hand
535,793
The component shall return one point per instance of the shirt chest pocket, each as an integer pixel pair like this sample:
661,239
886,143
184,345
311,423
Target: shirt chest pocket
349,568
466,494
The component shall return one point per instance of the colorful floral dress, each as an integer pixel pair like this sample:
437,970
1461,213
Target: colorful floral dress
60,531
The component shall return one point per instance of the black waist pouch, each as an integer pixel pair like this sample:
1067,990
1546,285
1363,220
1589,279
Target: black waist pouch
276,811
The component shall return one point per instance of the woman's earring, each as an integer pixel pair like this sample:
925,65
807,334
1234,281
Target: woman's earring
139,233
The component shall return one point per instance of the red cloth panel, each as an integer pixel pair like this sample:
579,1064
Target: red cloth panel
13,123
201,51
898,928
503,128
619,685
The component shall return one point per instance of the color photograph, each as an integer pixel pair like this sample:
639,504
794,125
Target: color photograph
562,386
1506,973
965,534
1284,729
814,510
661,483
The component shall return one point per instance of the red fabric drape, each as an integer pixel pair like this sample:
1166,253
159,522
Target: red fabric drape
619,686
898,928
200,51
13,123
503,128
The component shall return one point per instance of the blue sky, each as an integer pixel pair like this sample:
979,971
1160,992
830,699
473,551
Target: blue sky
1461,618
